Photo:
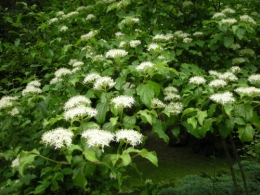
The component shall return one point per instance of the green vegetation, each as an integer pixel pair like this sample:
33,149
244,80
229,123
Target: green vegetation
80,82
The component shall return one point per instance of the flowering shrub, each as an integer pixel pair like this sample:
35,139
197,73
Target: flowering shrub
104,69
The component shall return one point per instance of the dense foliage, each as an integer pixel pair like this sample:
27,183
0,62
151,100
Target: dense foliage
81,80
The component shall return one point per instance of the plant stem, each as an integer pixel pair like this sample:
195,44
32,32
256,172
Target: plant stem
230,165
239,164
62,162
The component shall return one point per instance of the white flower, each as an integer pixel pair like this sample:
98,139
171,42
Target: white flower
31,89
130,21
130,136
228,11
90,16
254,78
76,101
77,63
249,91
222,98
187,4
214,73
156,103
198,34
218,83
72,61
56,80
170,89
91,77
7,101
153,46
171,96
123,101
161,58
81,8
246,52
119,34
59,13
134,43
235,46
228,76
58,137
98,137
62,72
144,65
218,15
112,175
122,44
238,61
71,14
235,69
181,34
187,40
53,20
174,108
197,80
15,163
229,21
116,53
80,111
88,36
98,58
247,19
104,83
76,69
13,112
161,37
63,28
34,83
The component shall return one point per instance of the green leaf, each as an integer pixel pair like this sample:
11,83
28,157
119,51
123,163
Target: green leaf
146,93
189,110
192,121
246,133
201,115
155,86
129,122
176,131
230,123
240,33
244,110
126,159
90,155
228,109
212,109
147,116
54,184
239,121
223,130
25,161
157,128
102,109
113,121
73,147
228,41
79,178
120,81
206,127
67,171
151,156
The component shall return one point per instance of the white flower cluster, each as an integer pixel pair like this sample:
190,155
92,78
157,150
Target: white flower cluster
247,19
238,61
134,43
13,112
88,36
222,98
144,66
90,17
81,8
228,11
229,21
255,78
156,103
130,136
92,77
63,28
122,44
78,106
123,101
119,34
171,94
7,101
174,108
104,83
130,21
227,76
60,13
246,52
218,15
53,20
98,137
55,80
162,37
186,4
154,46
187,40
15,163
98,58
235,46
218,83
198,34
249,91
32,87
58,137
197,80
181,34
235,69
62,72
116,53
70,15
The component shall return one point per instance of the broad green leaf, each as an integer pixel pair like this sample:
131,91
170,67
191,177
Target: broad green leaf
246,133
206,127
176,131
113,121
228,109
151,156
244,110
146,93
189,110
201,115
120,81
54,184
41,188
67,171
79,178
102,109
239,121
192,121
147,116
240,33
155,86
223,130
73,147
129,122
228,41
90,155
126,159
230,123
212,109
24,162
157,128
114,158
